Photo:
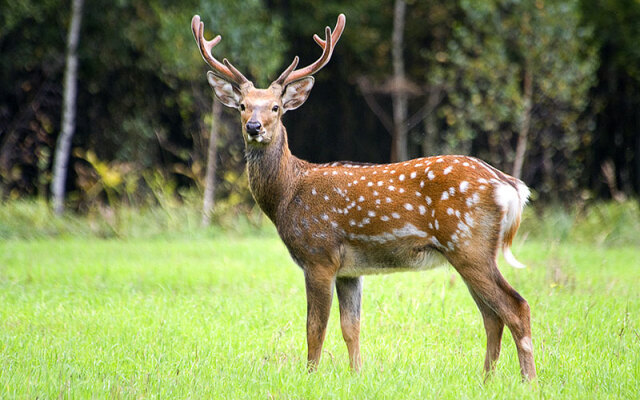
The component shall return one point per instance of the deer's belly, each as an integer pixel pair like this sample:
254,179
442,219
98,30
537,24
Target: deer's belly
385,259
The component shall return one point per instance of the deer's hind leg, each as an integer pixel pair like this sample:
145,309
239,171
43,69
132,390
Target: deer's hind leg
496,298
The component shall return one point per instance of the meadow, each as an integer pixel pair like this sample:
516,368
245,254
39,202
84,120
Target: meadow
222,315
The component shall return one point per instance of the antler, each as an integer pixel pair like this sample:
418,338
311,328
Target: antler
224,68
331,39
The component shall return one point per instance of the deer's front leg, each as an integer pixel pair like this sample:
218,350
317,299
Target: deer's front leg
350,298
319,286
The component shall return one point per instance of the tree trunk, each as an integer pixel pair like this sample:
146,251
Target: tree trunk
430,140
63,145
521,147
399,99
210,178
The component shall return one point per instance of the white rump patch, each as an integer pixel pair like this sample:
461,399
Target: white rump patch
512,202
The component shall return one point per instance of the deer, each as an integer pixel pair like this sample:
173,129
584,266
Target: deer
343,220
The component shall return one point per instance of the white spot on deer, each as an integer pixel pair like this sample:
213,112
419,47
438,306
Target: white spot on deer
455,160
380,183
362,178
476,198
352,222
375,193
435,223
359,208
369,184
334,173
384,218
422,209
418,165
409,230
418,194
325,217
482,180
388,199
375,172
390,180
448,169
431,175
464,228
401,190
468,219
401,177
428,199
366,221
361,199
395,215
435,241
421,184
393,171
433,212
371,213
464,185
355,182
377,201
482,187
445,195
413,174
349,184
392,188
457,213
452,191
334,224
408,206
454,238
430,225
466,164
326,198
450,211
439,160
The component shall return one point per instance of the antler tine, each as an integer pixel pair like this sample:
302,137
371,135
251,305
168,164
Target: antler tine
327,45
224,69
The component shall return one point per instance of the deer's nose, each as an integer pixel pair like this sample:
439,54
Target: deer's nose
253,127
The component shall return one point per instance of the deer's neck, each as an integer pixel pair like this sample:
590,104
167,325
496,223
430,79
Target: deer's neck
273,174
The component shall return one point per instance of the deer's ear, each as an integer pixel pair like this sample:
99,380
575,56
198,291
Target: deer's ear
296,93
226,92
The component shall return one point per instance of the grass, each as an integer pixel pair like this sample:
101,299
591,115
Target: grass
222,316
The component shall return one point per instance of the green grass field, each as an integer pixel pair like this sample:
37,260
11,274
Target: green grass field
223,317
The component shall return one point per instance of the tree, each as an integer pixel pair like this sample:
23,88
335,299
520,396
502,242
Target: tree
517,67
63,145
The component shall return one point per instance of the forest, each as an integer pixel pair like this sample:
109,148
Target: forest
548,91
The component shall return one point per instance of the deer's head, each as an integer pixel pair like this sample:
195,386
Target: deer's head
261,109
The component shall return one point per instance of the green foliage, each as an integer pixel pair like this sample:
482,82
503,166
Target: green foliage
491,51
600,224
224,318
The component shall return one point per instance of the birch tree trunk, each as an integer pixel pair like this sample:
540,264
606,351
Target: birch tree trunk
63,145
212,156
399,99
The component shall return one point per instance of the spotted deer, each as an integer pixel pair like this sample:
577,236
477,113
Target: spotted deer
343,220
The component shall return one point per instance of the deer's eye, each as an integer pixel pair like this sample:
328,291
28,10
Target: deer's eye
242,107
275,108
